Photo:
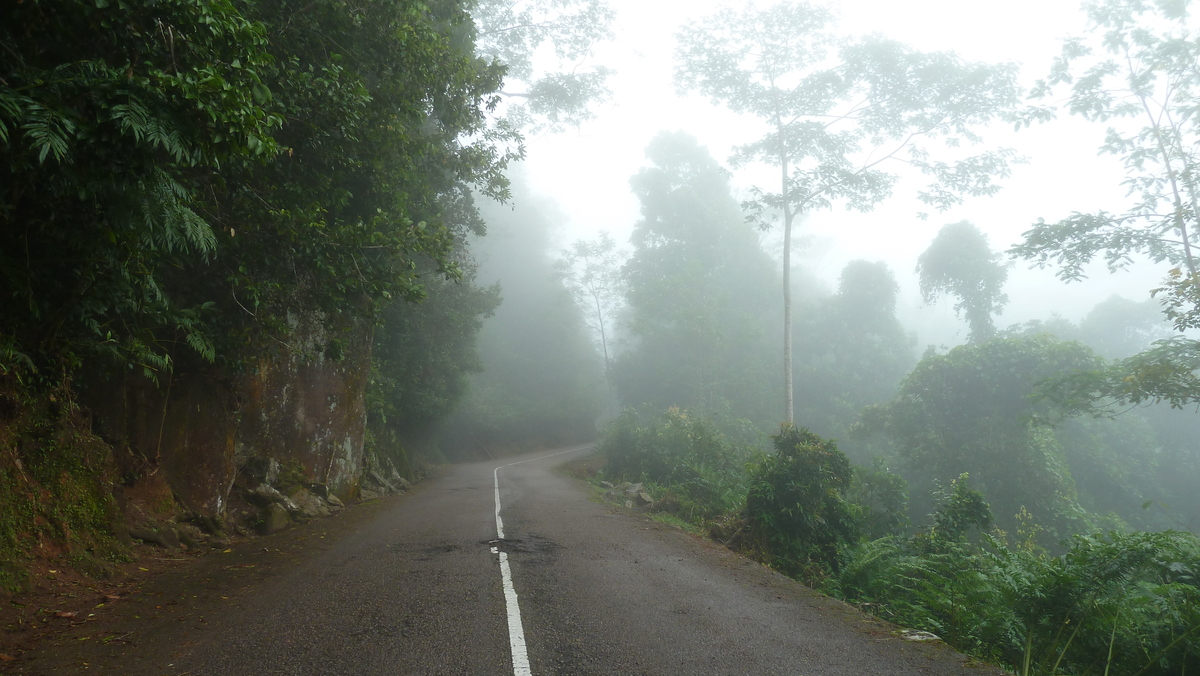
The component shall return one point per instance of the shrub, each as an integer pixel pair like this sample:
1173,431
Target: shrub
881,499
680,451
796,504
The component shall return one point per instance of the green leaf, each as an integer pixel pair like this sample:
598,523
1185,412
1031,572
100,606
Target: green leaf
261,94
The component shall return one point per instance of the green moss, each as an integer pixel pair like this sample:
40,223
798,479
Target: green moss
56,480
291,477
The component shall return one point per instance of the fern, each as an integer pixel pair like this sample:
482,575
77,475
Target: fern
48,131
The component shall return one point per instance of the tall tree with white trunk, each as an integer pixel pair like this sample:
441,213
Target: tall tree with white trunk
842,117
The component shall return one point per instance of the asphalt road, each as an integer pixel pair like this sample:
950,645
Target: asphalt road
416,589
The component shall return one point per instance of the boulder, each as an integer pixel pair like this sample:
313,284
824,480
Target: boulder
335,503
308,505
165,537
275,518
643,498
380,477
382,482
266,495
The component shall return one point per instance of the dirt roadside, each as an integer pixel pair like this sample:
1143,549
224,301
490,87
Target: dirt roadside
70,623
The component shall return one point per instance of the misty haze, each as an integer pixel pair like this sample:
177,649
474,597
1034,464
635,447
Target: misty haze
600,336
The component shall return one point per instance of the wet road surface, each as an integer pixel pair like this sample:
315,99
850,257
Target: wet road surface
416,589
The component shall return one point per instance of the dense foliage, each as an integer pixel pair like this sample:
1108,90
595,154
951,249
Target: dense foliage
423,356
684,453
1112,603
191,172
970,410
114,121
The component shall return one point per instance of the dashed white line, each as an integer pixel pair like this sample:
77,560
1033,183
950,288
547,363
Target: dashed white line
516,632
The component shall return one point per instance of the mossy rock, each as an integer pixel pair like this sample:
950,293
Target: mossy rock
275,518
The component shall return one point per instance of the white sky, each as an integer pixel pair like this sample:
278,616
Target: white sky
587,172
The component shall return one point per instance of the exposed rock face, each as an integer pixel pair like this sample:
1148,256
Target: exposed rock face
177,438
307,407
200,434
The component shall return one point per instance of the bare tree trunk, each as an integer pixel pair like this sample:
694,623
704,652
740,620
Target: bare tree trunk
788,393
607,362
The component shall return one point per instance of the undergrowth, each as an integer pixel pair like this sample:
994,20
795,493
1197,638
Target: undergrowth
1113,603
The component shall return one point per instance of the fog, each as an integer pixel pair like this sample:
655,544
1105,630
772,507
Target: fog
586,171
695,326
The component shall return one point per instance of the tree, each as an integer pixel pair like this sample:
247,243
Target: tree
422,357
960,263
115,119
698,290
592,272
839,115
1117,327
513,32
375,192
972,410
852,350
1136,73
184,173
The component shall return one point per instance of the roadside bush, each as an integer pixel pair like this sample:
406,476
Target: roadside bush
960,508
797,507
683,452
880,499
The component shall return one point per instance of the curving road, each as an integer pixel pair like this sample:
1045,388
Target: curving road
417,589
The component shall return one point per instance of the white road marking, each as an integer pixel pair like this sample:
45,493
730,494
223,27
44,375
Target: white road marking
516,632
